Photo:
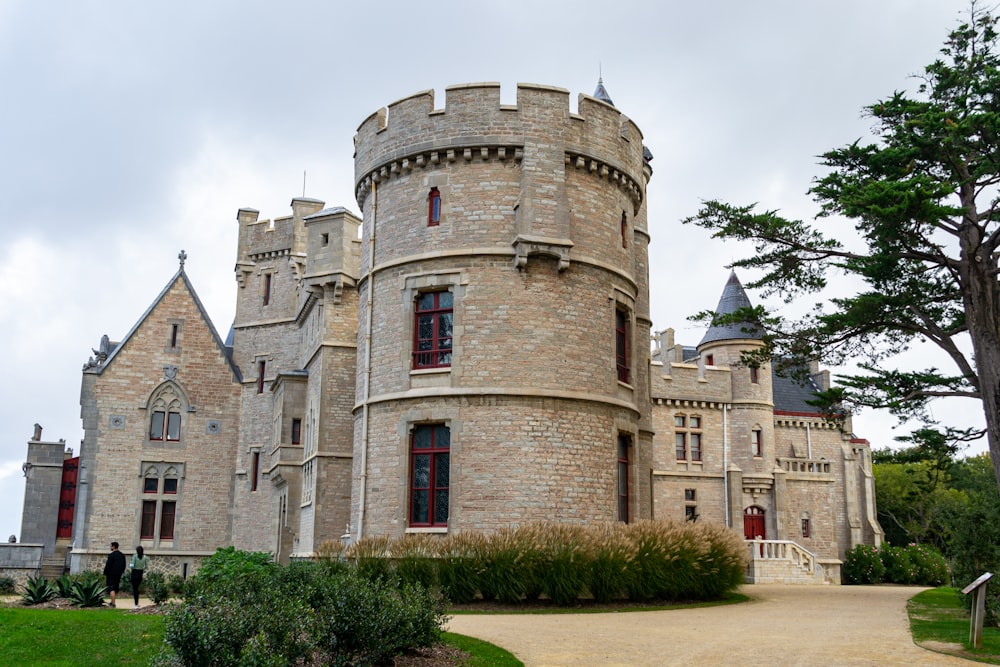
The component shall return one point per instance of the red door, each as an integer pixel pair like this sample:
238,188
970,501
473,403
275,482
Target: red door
753,523
67,498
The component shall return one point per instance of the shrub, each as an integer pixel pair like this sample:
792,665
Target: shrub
229,566
720,562
38,590
863,565
7,586
175,584
898,568
305,612
931,567
156,586
86,593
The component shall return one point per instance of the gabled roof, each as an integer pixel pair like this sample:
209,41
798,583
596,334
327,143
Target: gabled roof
225,351
733,299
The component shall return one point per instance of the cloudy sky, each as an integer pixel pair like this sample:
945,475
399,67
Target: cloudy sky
130,130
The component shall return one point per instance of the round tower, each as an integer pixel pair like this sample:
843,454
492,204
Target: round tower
751,421
504,313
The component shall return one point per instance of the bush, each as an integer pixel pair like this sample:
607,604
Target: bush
898,568
156,587
863,565
7,586
175,584
306,611
931,567
38,590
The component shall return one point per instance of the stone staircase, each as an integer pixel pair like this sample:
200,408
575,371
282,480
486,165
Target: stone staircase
784,562
54,565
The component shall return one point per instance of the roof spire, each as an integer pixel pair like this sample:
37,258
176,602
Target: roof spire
182,256
601,92
733,299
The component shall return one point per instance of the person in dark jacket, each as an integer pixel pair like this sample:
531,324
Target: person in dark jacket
113,570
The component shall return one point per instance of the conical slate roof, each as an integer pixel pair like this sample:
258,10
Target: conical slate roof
601,92
733,299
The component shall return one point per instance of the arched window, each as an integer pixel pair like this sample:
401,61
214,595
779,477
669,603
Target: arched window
165,407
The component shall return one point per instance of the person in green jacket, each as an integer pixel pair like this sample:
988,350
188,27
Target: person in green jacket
138,566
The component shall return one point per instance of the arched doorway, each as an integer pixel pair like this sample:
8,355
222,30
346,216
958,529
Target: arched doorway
753,523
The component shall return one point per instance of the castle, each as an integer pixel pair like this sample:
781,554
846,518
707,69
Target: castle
477,357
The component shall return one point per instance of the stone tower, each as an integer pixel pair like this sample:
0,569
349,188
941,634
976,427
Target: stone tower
503,341
294,336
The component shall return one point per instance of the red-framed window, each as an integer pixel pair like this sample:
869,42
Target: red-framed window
756,446
267,289
147,527
805,527
296,431
261,367
170,420
167,513
624,230
624,441
754,375
432,330
621,345
170,485
695,441
434,208
430,459
150,485
709,359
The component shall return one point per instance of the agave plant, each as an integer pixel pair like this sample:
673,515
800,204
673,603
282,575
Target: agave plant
64,585
38,590
87,593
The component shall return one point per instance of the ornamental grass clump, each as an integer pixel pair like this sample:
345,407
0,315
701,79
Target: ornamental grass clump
505,575
371,557
460,564
720,561
563,554
610,556
414,558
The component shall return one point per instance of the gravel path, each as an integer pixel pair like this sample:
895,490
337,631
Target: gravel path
783,625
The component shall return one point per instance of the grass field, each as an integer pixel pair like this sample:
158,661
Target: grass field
940,622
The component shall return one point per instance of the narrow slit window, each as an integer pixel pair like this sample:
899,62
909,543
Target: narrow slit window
623,482
261,367
254,471
296,431
434,208
173,335
621,345
267,289
624,230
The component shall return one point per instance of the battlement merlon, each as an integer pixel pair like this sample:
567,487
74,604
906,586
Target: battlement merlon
411,129
262,239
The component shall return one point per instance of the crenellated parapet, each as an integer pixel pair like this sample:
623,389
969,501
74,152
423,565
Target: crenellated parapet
411,135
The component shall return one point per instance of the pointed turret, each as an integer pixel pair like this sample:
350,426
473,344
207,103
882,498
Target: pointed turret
732,300
601,92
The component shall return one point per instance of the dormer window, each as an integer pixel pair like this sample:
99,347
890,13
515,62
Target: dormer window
434,208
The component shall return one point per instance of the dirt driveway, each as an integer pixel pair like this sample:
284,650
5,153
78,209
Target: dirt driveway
783,625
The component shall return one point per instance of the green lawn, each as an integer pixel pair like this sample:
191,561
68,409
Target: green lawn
940,622
78,637
84,637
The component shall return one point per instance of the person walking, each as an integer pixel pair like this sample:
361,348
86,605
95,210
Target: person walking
113,570
138,566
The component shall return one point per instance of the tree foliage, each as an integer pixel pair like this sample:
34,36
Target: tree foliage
912,216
